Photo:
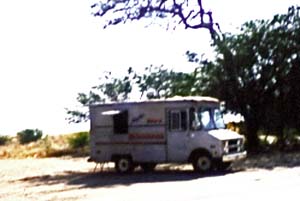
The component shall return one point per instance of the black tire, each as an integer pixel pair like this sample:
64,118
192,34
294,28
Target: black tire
124,165
148,167
202,163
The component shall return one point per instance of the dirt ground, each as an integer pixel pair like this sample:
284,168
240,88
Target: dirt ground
66,178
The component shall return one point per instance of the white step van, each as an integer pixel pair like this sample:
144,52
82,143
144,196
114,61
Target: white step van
172,130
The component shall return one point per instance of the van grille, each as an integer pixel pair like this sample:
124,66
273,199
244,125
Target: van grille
233,146
232,142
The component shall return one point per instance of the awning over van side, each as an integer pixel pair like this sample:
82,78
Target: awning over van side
111,112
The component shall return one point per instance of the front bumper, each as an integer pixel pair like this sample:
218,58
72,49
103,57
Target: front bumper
234,157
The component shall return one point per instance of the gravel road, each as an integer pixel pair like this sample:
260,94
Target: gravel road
74,179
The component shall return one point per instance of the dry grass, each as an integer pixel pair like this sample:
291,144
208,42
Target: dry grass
49,146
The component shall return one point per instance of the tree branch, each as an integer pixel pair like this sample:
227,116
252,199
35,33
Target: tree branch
123,10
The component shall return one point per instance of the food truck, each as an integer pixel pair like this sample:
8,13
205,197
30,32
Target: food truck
171,130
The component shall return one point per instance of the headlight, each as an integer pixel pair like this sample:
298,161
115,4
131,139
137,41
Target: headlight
225,146
242,145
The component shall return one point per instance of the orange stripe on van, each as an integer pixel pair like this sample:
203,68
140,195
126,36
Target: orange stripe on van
144,136
131,143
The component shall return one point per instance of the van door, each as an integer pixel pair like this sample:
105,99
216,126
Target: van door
178,135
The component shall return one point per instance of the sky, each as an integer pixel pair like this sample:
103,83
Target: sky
52,49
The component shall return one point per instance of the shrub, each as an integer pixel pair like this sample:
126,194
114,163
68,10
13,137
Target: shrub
29,135
4,139
79,140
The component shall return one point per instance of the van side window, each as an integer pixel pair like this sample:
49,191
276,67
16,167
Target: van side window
121,122
178,120
206,119
183,120
195,123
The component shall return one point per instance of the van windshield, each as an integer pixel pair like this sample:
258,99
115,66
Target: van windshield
218,118
210,118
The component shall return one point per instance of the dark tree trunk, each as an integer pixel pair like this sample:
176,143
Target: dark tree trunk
281,137
252,127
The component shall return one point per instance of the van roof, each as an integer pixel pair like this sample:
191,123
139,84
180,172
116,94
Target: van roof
171,99
191,98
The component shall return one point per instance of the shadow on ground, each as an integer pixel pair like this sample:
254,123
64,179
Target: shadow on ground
110,178
271,160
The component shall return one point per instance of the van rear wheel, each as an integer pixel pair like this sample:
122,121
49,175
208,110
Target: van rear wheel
124,165
202,163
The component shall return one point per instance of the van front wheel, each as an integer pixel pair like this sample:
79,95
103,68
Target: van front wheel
124,165
202,163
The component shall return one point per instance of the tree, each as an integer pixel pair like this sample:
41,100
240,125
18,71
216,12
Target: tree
160,82
29,135
190,13
111,88
154,82
285,39
256,72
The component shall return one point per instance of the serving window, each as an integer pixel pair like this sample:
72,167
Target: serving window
177,120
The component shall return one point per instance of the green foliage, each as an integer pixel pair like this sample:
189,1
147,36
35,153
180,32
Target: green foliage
257,74
79,140
160,82
111,88
76,116
29,135
155,82
4,139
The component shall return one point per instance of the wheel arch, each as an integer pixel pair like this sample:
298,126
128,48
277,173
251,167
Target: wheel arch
116,157
198,151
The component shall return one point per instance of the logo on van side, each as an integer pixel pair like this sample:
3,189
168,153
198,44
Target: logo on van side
137,118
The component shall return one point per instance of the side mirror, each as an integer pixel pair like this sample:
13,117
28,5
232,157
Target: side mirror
196,125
